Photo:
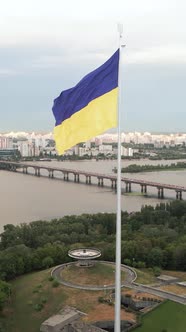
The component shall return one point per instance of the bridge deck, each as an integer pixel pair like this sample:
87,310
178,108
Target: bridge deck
97,175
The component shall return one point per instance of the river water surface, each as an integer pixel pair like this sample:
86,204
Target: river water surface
26,198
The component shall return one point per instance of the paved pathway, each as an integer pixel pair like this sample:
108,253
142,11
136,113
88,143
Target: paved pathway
129,283
161,293
130,277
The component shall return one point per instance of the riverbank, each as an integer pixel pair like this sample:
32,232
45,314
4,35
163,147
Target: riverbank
134,168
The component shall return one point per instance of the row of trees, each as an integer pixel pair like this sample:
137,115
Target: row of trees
153,237
134,168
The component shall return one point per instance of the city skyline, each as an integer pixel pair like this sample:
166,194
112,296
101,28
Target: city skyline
45,49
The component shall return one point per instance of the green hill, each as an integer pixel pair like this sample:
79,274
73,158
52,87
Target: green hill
35,291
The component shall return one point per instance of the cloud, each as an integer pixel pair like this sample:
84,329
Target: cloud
7,72
168,54
72,58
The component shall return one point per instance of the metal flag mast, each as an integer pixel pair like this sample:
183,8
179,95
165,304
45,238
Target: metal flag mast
117,323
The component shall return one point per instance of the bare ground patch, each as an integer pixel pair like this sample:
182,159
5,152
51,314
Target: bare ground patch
176,289
98,275
106,312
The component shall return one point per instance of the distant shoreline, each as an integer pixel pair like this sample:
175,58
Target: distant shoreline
133,168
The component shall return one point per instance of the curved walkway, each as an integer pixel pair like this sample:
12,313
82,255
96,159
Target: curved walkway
130,277
129,282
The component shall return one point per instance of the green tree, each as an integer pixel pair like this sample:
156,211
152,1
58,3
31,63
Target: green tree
5,292
47,262
155,257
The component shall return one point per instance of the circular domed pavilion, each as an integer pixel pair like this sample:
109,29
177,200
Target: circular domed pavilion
85,256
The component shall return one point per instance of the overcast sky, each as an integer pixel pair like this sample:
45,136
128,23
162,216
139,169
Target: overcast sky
48,46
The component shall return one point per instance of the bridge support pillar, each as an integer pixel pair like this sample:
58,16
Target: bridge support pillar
76,177
160,193
25,170
89,179
102,184
141,188
51,174
145,189
98,181
126,187
114,184
66,176
179,195
86,179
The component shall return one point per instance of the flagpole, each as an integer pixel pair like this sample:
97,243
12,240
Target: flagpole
117,323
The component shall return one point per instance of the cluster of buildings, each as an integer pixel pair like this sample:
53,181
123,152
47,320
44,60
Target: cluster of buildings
158,140
42,144
96,149
27,144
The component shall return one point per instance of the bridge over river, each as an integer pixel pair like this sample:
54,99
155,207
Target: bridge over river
87,177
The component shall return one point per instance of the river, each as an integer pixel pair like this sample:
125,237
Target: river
26,198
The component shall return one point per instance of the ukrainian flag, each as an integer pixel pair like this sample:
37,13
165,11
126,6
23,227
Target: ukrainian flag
89,108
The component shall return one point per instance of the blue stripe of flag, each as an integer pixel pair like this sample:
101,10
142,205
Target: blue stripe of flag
93,85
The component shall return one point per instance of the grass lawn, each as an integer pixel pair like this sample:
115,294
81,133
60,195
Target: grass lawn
100,274
31,289
176,289
145,277
169,317
178,274
28,291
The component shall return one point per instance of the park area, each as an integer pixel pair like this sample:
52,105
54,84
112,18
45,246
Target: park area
168,317
98,275
36,297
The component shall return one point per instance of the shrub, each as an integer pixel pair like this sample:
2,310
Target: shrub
156,271
38,306
55,283
141,265
50,278
101,299
39,286
47,262
43,300
35,291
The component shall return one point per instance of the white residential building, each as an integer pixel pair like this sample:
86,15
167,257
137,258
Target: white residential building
105,148
6,142
126,152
